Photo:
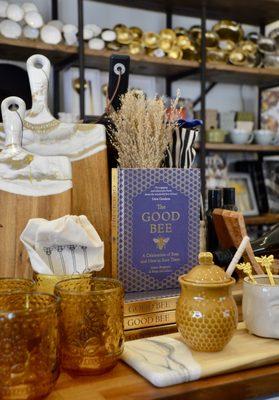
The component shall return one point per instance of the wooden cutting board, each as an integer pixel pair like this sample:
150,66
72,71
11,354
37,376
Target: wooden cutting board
15,212
91,197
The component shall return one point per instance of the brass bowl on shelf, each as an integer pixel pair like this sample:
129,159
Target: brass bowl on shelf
114,46
211,39
229,30
226,45
136,32
190,53
248,46
165,44
194,31
151,40
216,55
136,47
183,41
175,53
167,34
238,57
250,49
124,35
119,26
180,31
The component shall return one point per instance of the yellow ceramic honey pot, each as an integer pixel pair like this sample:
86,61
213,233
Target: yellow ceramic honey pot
206,313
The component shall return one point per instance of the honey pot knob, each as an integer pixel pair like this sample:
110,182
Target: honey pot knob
205,258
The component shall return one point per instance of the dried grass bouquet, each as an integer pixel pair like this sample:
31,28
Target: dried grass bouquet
142,130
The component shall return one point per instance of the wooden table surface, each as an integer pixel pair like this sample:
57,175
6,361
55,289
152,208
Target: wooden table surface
123,383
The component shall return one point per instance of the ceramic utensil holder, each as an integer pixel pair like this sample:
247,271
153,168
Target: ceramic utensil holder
260,306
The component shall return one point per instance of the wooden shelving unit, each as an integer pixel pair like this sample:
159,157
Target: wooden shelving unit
21,49
247,148
263,219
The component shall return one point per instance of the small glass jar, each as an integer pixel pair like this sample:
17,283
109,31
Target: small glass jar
91,323
16,285
29,356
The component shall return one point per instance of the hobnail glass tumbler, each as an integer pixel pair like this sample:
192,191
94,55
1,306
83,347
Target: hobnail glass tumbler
16,285
29,355
91,323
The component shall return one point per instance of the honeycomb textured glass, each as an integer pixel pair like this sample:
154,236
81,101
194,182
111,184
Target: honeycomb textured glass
91,323
16,285
46,283
29,356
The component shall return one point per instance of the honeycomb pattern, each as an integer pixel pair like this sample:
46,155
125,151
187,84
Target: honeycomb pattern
29,357
131,183
16,285
206,321
91,323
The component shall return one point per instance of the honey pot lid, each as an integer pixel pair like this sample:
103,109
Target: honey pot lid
207,272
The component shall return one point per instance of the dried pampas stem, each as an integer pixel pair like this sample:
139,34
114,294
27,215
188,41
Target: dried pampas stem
142,130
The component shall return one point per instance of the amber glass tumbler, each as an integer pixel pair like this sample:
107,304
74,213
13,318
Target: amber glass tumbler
16,285
91,323
46,283
29,356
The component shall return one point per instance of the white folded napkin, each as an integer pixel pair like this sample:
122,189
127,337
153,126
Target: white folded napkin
64,246
162,360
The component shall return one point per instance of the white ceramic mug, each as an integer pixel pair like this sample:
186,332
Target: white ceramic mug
260,306
239,136
265,137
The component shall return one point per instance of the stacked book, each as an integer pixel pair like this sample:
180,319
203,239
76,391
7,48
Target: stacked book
149,317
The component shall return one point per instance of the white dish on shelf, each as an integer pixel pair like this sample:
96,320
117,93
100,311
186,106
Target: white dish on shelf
29,7
34,19
56,23
3,8
70,34
108,35
31,33
50,34
96,29
88,33
96,44
10,29
15,12
70,28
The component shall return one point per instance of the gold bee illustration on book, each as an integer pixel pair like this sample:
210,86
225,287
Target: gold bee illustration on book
161,242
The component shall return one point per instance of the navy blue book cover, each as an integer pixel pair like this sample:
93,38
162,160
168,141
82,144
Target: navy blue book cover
156,218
